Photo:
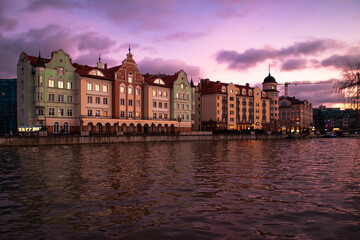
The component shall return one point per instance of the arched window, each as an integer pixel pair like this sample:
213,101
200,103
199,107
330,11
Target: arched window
96,72
56,127
159,81
66,127
130,77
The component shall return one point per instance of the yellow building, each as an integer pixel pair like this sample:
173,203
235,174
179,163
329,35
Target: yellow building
270,88
229,106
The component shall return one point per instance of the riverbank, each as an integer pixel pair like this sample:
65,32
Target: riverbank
101,139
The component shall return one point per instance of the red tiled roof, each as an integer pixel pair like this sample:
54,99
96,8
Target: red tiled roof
33,59
83,70
209,87
168,79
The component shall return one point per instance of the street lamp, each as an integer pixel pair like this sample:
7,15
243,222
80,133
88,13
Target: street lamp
179,120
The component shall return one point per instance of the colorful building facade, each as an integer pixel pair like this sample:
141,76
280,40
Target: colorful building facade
228,106
68,97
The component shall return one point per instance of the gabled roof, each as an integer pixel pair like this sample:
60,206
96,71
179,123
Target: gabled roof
84,70
33,60
168,79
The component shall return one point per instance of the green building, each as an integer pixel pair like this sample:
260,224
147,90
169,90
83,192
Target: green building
181,97
46,92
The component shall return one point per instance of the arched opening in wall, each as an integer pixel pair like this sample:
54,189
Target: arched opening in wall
107,128
146,128
98,128
153,128
138,126
124,127
159,128
116,127
56,127
90,127
166,128
172,129
132,128
66,127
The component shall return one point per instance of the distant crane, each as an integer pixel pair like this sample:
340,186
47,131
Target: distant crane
301,82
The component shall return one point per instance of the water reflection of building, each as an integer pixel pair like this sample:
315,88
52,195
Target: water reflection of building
7,106
330,118
295,115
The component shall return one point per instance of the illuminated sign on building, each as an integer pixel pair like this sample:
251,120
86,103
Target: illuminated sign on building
29,128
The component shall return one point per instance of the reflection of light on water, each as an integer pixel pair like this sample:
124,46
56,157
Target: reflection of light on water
281,189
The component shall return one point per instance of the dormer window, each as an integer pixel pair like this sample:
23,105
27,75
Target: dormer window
96,72
243,92
130,77
159,81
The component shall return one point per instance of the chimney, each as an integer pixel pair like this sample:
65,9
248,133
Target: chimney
105,66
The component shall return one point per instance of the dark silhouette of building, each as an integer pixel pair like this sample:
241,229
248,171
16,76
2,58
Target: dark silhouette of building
8,99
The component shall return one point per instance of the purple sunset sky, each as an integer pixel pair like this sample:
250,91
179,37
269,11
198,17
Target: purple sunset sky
226,40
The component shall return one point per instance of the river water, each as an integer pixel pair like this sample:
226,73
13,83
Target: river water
261,189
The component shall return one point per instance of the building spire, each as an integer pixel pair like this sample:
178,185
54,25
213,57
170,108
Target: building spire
99,58
129,48
269,69
40,62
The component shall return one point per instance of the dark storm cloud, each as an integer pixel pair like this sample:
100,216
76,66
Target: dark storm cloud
251,57
46,39
6,23
160,65
94,42
294,64
337,61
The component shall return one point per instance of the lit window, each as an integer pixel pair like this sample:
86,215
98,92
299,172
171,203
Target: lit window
89,87
154,93
160,93
122,89
60,84
105,113
159,81
182,86
138,91
60,112
130,90
130,77
105,88
61,71
130,114
51,83
97,87
69,85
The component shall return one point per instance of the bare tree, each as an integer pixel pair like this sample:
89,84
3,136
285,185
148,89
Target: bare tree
349,86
